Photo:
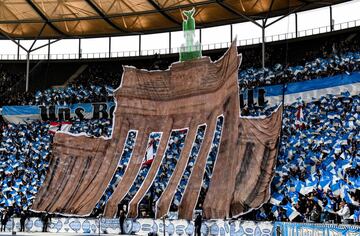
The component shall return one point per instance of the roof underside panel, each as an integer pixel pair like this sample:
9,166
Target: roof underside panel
91,18
141,23
17,10
85,27
207,14
73,9
31,30
110,7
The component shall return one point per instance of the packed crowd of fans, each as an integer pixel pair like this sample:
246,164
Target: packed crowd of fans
123,162
332,64
93,127
318,171
195,150
166,169
152,147
24,152
73,94
334,57
7,82
93,85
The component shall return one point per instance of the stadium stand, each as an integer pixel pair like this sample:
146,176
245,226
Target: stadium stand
318,163
25,150
317,172
296,168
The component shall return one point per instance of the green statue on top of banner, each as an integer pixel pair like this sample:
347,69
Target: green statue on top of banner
191,49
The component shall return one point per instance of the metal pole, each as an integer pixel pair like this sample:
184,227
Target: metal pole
263,44
296,25
79,48
18,50
164,225
231,33
331,20
27,71
12,226
109,47
139,44
200,37
100,216
49,50
169,42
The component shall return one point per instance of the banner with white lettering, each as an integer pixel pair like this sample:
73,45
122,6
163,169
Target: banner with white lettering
25,114
306,229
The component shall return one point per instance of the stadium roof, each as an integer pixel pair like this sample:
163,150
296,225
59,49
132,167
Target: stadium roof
95,18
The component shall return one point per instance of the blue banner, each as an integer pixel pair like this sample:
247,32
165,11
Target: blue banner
306,229
306,90
22,114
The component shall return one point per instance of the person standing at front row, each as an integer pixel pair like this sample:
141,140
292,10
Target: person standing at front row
23,217
198,222
122,218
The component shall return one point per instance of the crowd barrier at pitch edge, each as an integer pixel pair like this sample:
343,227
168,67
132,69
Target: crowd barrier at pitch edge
184,227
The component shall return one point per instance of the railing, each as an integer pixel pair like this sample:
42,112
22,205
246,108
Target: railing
242,42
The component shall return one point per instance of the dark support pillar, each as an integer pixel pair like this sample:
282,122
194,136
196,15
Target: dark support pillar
27,71
18,49
139,44
331,20
49,49
200,37
296,25
169,42
79,48
231,33
109,47
263,44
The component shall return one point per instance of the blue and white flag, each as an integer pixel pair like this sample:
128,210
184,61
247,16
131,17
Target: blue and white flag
291,212
276,198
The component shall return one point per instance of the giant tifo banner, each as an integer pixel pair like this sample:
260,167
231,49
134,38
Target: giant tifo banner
307,90
194,102
24,114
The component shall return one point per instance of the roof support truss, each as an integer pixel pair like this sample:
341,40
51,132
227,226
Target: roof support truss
41,14
103,16
162,12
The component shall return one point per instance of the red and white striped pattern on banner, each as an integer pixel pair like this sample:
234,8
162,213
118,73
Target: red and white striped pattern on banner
59,126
